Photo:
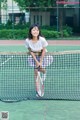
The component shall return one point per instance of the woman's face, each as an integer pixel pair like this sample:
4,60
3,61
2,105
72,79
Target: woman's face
35,31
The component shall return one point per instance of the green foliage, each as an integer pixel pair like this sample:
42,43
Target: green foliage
68,29
9,25
20,31
36,3
10,34
50,34
4,6
23,33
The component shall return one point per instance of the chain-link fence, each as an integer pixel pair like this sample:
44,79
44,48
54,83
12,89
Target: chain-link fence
62,15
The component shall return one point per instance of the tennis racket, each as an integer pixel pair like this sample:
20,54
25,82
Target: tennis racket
40,85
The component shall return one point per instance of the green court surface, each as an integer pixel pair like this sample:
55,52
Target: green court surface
50,48
42,109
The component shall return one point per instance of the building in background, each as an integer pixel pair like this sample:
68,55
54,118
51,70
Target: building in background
11,12
46,17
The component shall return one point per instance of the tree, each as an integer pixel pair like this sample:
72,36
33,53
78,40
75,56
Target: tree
1,1
35,3
4,4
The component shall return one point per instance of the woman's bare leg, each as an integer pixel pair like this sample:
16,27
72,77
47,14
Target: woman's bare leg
36,82
42,70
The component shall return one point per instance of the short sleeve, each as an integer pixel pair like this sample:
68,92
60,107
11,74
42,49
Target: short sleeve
44,42
27,43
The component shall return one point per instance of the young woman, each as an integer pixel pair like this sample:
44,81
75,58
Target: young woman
36,45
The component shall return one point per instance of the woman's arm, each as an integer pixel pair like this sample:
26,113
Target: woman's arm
34,57
42,55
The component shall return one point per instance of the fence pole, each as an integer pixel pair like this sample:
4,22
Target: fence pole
57,17
13,18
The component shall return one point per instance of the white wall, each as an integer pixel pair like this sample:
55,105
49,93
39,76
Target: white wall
11,8
45,18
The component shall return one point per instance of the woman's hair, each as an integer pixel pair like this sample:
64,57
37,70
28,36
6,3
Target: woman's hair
30,35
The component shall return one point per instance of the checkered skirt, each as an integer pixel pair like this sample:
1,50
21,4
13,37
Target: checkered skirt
47,60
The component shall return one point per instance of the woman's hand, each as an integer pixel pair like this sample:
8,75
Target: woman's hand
38,64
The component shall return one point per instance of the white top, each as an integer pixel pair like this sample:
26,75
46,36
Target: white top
39,45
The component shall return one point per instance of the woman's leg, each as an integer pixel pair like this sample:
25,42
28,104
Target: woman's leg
42,70
36,81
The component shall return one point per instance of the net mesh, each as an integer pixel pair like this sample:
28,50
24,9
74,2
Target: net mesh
17,77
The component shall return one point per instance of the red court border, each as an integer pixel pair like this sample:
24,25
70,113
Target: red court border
64,2
51,42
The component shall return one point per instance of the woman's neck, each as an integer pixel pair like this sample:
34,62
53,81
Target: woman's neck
35,38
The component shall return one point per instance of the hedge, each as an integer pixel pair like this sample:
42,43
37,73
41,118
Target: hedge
23,33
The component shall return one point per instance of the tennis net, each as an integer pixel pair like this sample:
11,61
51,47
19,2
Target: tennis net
62,76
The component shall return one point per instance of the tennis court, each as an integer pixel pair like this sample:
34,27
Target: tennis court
41,109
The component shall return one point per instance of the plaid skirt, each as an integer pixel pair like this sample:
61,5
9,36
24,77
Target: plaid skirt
47,60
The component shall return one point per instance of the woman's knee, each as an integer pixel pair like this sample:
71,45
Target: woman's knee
35,71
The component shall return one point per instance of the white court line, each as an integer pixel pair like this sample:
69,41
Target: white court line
6,61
